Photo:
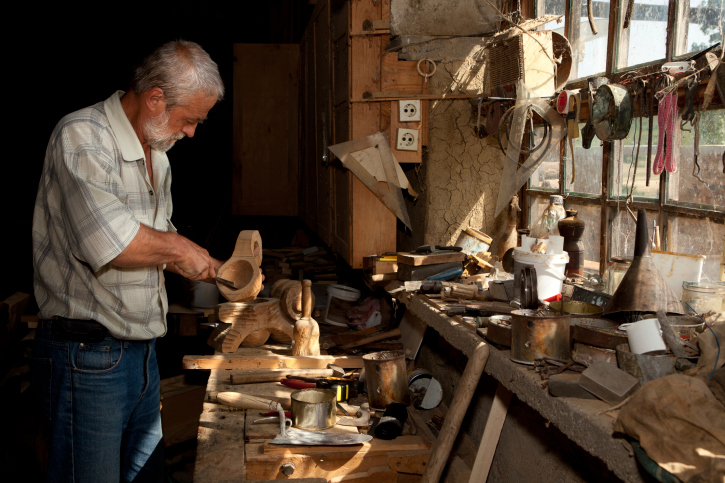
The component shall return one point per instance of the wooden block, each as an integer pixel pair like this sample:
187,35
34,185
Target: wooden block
608,383
410,462
410,273
444,256
567,385
269,362
181,405
16,305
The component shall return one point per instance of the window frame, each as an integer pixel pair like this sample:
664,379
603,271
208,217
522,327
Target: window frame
612,151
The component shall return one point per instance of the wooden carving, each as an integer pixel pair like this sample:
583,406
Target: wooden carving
289,293
242,268
306,332
253,322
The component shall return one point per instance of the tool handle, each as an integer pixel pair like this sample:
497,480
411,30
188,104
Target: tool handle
246,401
374,338
306,299
296,384
669,335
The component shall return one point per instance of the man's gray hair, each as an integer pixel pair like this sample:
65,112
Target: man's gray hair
181,69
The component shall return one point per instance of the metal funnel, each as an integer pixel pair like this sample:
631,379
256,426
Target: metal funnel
643,289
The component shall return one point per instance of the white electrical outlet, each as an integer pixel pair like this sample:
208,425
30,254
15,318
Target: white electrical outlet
409,110
407,139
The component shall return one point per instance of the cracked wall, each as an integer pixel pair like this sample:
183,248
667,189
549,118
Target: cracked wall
460,175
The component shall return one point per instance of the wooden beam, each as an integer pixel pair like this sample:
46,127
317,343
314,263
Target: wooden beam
401,443
269,362
491,434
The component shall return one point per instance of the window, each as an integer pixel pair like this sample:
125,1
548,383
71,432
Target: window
687,207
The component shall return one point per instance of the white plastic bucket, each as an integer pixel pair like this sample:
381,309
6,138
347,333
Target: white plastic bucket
340,299
473,241
677,268
549,270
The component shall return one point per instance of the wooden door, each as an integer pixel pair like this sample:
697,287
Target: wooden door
323,122
308,184
342,177
265,119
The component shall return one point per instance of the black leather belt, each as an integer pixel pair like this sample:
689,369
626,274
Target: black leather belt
77,330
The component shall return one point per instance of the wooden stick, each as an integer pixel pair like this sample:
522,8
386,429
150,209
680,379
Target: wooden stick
372,338
249,377
491,434
270,362
466,387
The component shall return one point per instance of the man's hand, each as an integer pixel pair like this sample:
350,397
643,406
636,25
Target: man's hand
195,263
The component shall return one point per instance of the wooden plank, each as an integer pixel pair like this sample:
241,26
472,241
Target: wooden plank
234,361
430,258
266,134
381,474
326,465
375,445
491,434
409,462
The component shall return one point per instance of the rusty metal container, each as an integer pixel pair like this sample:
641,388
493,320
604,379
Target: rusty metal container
535,336
386,379
577,310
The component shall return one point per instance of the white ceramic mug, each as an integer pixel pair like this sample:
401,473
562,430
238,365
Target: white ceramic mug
644,336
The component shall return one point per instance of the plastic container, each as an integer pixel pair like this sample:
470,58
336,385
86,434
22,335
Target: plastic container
549,270
677,268
703,297
473,241
340,300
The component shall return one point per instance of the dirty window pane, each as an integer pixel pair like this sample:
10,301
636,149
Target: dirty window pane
698,236
554,7
623,166
683,188
699,25
591,215
623,230
546,175
590,49
588,165
646,38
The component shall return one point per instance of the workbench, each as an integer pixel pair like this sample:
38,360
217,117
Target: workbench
223,455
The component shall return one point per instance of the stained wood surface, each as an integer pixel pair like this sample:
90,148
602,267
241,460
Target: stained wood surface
265,153
324,121
308,184
418,259
236,361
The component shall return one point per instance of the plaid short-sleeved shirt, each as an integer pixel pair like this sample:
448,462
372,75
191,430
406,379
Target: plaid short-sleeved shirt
93,194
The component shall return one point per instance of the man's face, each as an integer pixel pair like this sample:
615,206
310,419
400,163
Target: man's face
162,132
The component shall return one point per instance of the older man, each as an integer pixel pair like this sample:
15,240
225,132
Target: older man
102,236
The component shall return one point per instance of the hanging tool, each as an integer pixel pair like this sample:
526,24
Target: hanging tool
650,95
590,14
714,64
572,124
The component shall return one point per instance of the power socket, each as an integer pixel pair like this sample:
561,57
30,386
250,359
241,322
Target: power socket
407,139
409,110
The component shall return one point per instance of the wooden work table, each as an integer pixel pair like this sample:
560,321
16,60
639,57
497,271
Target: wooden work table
222,453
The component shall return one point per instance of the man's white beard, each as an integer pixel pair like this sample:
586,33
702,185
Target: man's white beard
155,132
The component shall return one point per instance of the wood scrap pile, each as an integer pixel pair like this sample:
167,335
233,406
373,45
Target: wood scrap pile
315,263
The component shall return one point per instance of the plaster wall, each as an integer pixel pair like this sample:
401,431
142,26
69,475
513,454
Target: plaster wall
459,178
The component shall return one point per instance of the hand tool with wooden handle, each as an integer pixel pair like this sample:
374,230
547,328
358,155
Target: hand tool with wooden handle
307,332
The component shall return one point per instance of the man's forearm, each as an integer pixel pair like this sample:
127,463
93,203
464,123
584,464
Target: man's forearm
149,247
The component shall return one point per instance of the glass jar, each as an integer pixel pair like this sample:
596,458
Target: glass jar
618,266
703,297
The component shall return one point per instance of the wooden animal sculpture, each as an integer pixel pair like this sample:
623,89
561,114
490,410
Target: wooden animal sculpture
289,293
242,269
307,332
252,324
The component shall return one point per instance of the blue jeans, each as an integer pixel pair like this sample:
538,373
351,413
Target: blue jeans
100,408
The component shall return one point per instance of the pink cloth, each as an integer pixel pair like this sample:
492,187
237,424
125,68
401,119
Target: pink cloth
667,122
360,314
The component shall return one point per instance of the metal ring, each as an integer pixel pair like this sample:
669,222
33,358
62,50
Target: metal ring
504,122
429,74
